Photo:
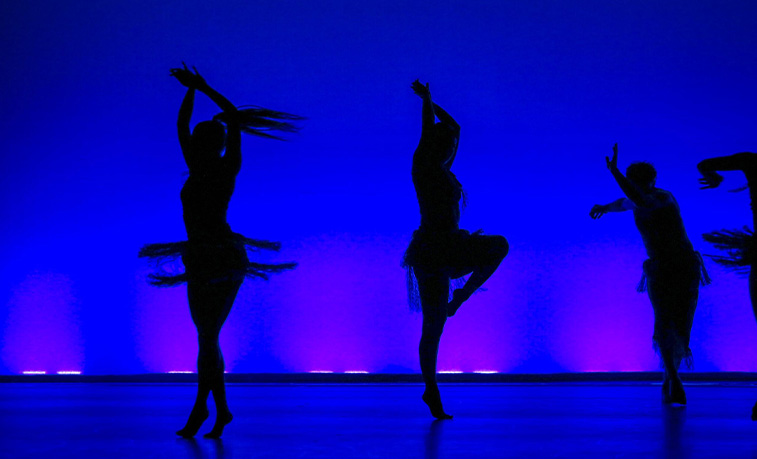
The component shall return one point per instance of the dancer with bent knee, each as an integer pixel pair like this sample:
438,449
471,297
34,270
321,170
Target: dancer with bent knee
738,244
215,258
440,250
673,272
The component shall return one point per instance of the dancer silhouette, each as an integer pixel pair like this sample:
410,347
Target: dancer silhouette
739,244
673,272
439,250
215,258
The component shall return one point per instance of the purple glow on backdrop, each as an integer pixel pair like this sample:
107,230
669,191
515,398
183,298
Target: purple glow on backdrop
352,307
608,326
166,339
541,90
724,327
42,332
490,332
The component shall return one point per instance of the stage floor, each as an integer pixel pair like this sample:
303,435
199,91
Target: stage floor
113,420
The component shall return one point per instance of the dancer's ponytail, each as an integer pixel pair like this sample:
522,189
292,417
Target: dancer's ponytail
261,121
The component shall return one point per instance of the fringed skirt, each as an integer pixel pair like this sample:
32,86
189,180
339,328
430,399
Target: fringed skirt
210,260
738,244
452,254
673,288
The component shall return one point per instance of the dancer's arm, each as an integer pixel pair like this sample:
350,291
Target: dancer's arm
428,117
445,118
185,115
186,78
631,192
430,113
431,110
233,156
737,162
619,205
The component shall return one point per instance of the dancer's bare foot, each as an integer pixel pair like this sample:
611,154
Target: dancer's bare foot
222,420
434,402
196,418
677,394
458,298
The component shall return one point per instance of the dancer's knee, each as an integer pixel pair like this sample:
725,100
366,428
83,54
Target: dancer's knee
500,247
432,332
208,343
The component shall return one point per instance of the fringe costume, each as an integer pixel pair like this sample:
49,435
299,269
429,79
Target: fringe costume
210,260
213,253
672,274
738,244
452,254
673,288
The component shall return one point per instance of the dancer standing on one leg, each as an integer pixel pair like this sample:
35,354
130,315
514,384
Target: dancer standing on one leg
673,272
439,250
738,243
215,258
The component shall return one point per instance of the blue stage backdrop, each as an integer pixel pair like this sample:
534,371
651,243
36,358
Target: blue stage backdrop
542,89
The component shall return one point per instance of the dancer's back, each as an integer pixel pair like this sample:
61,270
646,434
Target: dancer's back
661,225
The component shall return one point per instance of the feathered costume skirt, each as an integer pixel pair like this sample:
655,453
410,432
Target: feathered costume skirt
212,259
673,288
738,244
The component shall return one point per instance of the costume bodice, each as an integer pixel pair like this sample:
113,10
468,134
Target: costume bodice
661,226
205,200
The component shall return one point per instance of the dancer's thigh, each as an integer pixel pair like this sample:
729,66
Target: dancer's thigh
474,251
434,292
210,303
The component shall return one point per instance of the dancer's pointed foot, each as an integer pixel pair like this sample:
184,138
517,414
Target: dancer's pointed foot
222,420
434,402
196,418
754,412
458,298
677,394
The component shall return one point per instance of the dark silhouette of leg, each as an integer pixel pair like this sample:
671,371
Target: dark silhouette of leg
199,296
671,298
487,253
753,290
753,299
217,384
210,304
214,371
665,387
433,291
676,393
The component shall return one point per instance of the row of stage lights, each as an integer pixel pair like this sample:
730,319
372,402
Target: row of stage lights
443,372
352,372
35,372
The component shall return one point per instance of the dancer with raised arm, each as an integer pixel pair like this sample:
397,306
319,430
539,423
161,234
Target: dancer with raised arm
673,272
440,250
738,244
215,258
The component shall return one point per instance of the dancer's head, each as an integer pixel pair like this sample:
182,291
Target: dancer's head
444,140
208,140
642,175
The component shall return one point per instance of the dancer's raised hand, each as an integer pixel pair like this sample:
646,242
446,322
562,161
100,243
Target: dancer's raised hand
421,90
187,78
612,164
